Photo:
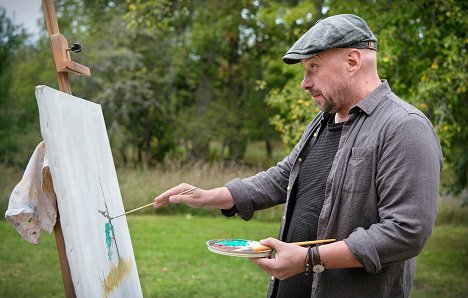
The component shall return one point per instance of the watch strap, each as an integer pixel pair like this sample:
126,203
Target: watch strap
316,261
316,256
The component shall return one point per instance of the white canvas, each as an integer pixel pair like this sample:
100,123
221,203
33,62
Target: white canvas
99,250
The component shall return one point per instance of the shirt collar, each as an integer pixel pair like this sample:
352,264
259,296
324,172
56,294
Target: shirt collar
371,101
325,117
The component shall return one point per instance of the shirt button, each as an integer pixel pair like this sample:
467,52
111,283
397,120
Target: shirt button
283,218
299,159
288,188
315,134
272,278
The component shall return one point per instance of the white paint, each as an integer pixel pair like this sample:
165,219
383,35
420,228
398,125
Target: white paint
81,165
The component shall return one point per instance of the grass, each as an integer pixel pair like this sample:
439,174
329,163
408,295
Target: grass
169,267
171,257
441,269
173,261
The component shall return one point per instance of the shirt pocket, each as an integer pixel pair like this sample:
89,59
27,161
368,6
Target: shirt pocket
358,177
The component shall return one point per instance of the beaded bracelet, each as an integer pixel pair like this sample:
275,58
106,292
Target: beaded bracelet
307,260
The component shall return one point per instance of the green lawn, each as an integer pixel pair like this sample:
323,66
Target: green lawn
173,261
442,267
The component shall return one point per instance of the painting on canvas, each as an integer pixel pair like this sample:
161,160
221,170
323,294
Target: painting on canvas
98,248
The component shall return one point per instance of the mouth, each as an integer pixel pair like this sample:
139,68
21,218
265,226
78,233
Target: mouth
317,94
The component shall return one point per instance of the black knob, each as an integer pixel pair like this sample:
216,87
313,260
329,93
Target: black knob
76,47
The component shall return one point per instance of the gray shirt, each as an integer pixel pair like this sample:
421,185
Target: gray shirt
380,197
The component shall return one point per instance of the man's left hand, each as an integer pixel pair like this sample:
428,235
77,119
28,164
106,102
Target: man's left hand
288,260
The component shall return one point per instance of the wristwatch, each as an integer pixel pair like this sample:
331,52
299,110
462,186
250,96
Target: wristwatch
316,262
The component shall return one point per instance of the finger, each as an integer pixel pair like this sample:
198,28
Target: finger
264,264
187,198
160,203
163,199
272,242
259,261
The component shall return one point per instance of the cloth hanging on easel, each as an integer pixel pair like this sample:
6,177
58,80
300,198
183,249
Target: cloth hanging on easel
33,204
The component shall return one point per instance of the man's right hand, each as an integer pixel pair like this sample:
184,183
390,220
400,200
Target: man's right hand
216,198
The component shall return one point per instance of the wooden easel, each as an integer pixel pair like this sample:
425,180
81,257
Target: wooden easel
63,66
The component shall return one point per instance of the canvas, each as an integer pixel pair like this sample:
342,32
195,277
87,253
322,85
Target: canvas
99,250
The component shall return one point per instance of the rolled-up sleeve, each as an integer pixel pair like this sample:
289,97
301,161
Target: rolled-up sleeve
264,190
268,188
407,182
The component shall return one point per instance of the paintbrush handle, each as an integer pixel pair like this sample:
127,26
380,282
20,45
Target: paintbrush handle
264,247
147,205
133,210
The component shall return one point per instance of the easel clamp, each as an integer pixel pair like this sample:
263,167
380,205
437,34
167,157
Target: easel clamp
61,54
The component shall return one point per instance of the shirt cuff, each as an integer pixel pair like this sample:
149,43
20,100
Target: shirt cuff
242,202
229,212
364,251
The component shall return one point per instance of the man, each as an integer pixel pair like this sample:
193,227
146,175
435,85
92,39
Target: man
365,172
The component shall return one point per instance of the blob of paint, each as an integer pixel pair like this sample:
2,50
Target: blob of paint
234,242
109,227
116,275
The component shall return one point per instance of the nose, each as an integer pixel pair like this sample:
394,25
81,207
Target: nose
306,83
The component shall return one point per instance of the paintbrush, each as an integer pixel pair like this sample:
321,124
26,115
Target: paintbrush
258,248
150,204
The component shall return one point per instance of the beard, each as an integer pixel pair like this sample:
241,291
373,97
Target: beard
335,100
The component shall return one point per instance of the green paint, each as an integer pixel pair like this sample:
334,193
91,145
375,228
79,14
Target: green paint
109,229
234,242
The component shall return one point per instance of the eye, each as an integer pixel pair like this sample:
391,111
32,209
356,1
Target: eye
313,67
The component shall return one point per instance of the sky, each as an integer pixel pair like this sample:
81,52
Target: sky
24,12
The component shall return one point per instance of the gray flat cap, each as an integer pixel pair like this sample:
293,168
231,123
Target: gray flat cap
339,31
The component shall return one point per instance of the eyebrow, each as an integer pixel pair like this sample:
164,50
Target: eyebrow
312,59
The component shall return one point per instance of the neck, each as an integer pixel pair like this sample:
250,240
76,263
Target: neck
366,88
341,118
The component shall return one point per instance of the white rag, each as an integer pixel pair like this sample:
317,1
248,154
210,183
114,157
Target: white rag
33,204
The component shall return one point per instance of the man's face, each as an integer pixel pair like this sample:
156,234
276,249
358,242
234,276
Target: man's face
325,80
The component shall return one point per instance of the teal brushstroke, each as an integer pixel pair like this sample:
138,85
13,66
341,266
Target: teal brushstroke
109,229
234,242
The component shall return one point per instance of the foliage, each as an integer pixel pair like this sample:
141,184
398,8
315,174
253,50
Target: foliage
175,78
11,39
423,56
223,49
294,110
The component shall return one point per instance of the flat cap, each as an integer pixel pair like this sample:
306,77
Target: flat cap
338,31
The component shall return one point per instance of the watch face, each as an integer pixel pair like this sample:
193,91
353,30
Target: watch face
318,268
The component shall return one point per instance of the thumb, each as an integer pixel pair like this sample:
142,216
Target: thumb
272,242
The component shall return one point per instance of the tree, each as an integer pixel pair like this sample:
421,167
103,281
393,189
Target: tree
12,38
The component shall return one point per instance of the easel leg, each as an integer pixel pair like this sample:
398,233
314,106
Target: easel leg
66,274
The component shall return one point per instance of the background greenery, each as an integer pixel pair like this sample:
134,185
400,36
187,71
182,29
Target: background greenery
195,91
201,80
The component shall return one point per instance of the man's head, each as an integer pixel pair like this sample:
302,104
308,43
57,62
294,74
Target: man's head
339,58
339,31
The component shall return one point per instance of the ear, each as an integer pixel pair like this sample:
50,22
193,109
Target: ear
353,61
